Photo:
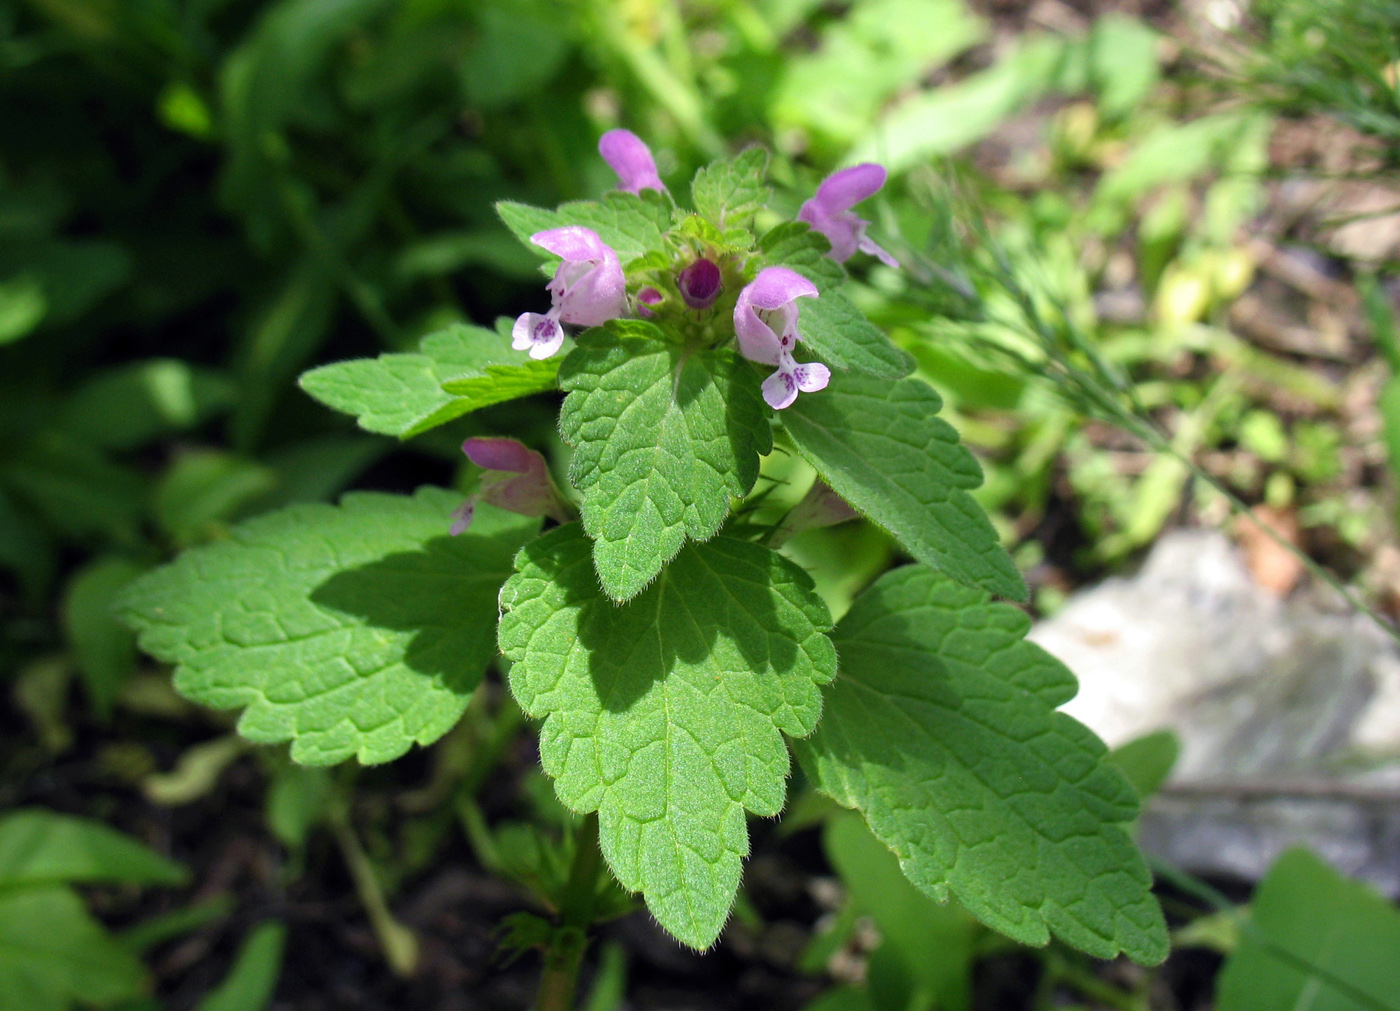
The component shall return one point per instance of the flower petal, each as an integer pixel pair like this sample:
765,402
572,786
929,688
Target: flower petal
811,376
870,246
572,242
499,454
540,335
775,287
842,190
780,389
631,159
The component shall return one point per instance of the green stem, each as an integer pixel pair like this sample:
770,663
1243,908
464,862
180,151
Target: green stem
565,955
399,943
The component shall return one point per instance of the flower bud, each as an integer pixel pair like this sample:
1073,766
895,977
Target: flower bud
700,284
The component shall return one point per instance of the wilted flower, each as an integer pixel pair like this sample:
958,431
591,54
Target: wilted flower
765,321
631,159
700,284
829,212
588,289
516,480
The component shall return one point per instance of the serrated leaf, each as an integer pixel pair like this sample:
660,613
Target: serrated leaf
402,394
53,953
665,715
881,447
632,224
941,731
663,437
727,192
834,328
793,244
45,847
359,629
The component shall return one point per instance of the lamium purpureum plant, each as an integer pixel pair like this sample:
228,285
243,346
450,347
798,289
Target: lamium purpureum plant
673,657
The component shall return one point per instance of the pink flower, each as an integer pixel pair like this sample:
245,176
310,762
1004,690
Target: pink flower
631,159
765,321
829,212
588,289
646,298
700,284
516,480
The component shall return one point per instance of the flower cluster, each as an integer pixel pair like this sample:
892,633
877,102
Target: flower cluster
589,286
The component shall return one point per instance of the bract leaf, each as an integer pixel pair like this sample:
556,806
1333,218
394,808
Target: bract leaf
666,714
402,393
941,731
359,629
663,437
882,448
729,192
631,223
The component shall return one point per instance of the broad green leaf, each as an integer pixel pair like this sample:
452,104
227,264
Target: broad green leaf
1315,941
402,394
206,488
129,406
663,436
727,192
941,731
665,715
44,847
253,978
1147,761
359,629
632,224
104,648
54,954
793,244
834,328
880,446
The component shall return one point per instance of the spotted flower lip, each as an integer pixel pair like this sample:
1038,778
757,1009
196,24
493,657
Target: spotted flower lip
765,322
588,289
628,156
829,211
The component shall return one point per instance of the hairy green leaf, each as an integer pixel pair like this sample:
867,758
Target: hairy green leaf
881,447
941,731
631,223
403,394
726,192
834,328
793,244
359,629
663,437
664,714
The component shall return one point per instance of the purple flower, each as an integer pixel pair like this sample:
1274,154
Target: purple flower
631,159
516,480
588,289
646,298
829,212
765,321
700,284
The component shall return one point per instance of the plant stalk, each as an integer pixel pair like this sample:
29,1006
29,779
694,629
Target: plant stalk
565,955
